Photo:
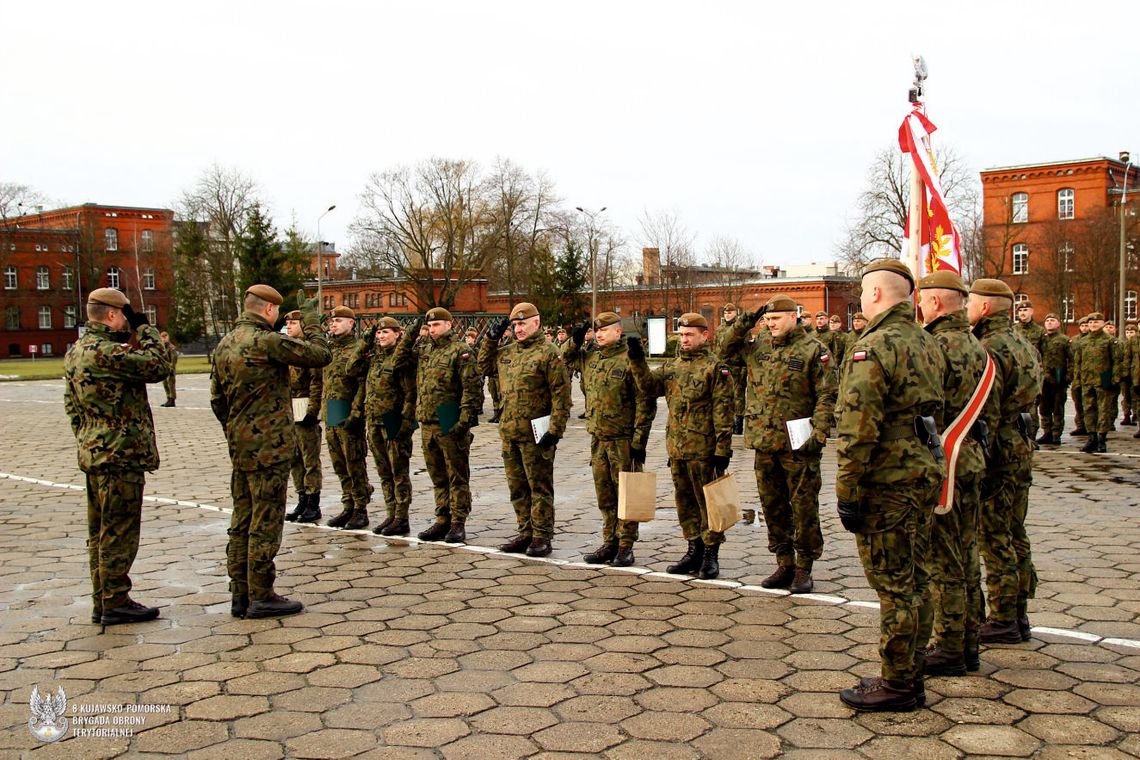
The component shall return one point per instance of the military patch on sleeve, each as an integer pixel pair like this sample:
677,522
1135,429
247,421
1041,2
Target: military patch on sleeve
858,356
825,358
796,364
465,355
724,372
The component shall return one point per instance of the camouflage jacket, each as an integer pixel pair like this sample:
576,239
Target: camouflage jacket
1033,333
1056,359
701,396
1119,347
1075,344
893,373
387,388
1132,357
104,394
249,388
446,373
305,382
533,382
791,377
339,383
1017,382
832,339
839,348
614,407
1097,361
965,363
721,337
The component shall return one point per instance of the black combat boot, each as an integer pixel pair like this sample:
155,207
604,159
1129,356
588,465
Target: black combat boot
690,564
1102,443
239,605
302,502
495,418
802,583
275,606
1023,626
624,556
358,520
973,658
939,662
882,695
398,527
1079,431
379,529
438,530
516,545
1047,439
539,547
129,611
312,511
782,578
710,564
996,632
738,426
1090,444
342,519
458,532
602,554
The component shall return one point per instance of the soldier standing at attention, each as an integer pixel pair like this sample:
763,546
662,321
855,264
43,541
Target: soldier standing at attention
698,437
447,406
249,393
735,363
954,594
618,419
390,417
1129,344
1076,390
168,385
104,395
792,377
1117,379
1033,334
347,448
535,384
1097,367
890,396
1002,540
835,324
1055,364
305,383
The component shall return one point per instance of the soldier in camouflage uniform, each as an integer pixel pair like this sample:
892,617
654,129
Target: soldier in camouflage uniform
1117,378
618,419
699,391
735,362
791,376
346,441
1033,334
1002,539
104,396
534,383
1074,359
954,594
1098,367
168,385
447,406
305,385
390,416
1057,374
889,474
249,393
839,346
1128,344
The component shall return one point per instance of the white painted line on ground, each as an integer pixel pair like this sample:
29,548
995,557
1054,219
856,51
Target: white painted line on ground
1090,638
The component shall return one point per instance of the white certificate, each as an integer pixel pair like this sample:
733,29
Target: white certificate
300,408
798,432
540,427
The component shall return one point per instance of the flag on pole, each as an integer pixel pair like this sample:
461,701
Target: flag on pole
938,242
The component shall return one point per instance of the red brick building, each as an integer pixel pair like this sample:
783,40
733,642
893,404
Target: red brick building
51,260
1052,231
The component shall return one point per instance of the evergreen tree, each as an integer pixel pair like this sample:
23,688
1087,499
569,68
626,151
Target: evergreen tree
188,311
262,258
570,278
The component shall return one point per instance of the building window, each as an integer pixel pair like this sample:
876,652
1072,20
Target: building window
45,317
113,277
147,240
1020,208
397,299
676,320
69,316
1068,309
66,278
1019,299
9,278
151,314
45,349
1065,256
148,279
43,278
1021,259
328,303
1065,203
110,239
351,300
11,317
1130,304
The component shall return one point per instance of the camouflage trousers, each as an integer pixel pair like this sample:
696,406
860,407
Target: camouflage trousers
1003,542
391,456
1052,409
530,481
493,389
255,529
114,517
690,476
306,464
1100,409
1126,398
349,460
609,458
788,484
168,387
955,586
1078,405
448,464
740,378
892,548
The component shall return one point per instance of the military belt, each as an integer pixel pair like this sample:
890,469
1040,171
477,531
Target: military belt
897,432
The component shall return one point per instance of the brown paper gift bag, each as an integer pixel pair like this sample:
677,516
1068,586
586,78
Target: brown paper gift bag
722,500
637,496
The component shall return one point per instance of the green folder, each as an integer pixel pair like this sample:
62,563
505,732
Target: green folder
392,420
337,411
448,416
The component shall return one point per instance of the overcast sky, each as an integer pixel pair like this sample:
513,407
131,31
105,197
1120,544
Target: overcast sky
751,120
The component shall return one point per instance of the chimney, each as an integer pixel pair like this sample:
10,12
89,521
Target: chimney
651,266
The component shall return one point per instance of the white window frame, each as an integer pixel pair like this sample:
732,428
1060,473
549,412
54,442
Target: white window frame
110,239
1130,304
1068,309
11,278
113,277
1019,208
148,279
151,314
11,310
45,349
44,318
69,319
1066,203
1020,251
43,278
1065,252
147,237
66,278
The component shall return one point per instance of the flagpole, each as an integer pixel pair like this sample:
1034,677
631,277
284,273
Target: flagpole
917,191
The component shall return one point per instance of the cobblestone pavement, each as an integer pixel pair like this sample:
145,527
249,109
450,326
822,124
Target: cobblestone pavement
429,650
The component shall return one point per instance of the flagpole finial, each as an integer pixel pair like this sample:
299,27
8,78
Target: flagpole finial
918,89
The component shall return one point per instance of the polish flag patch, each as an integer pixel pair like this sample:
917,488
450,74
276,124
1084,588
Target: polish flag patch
825,358
858,356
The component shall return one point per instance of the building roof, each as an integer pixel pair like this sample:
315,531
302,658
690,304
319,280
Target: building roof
1042,164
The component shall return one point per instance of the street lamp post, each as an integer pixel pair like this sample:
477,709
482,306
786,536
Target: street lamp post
320,246
592,242
1126,159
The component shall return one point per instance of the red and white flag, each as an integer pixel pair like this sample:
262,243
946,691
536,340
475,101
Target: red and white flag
939,246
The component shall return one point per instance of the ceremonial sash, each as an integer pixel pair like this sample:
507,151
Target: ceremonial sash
956,433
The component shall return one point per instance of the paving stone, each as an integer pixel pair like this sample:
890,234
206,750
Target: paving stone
246,749
1063,702
366,715
277,725
1068,729
636,749
523,721
489,747
1003,741
827,733
425,732
970,710
579,737
226,707
330,743
895,747
665,726
451,704
183,736
745,744
597,708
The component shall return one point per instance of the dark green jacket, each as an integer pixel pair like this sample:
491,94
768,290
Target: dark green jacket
614,408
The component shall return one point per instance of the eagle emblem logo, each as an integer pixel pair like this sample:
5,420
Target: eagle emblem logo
48,723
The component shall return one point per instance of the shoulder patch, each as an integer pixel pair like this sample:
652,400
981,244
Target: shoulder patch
825,357
858,356
465,355
724,372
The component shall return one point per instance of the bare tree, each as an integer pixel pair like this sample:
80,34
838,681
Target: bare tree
664,231
734,265
15,200
521,205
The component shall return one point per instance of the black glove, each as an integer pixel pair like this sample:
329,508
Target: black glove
750,318
637,455
814,444
634,348
134,319
547,440
370,339
354,425
579,334
407,427
308,420
851,515
462,427
498,329
720,464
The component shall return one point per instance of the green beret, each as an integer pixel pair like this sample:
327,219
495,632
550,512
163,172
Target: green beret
438,314
1096,316
293,316
1051,315
1083,321
388,323
943,279
858,315
689,319
108,297
986,286
605,319
821,313
344,311
730,307
523,311
781,302
1024,305
890,265
265,293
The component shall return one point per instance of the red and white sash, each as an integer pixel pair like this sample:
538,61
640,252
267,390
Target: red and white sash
957,432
